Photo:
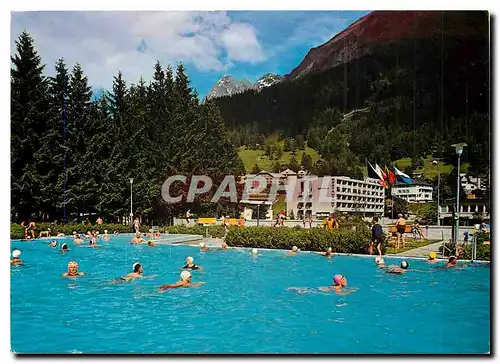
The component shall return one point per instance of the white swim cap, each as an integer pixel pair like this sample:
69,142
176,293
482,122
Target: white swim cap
190,259
254,251
379,260
16,253
202,245
74,232
134,265
294,248
404,264
329,249
185,275
105,231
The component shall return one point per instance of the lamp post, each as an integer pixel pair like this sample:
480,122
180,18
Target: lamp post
459,148
131,213
439,185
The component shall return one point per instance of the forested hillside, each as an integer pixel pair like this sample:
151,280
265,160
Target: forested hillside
419,95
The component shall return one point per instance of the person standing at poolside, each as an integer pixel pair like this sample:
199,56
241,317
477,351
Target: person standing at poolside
137,225
73,270
32,228
184,282
377,236
99,221
329,223
400,228
188,215
310,221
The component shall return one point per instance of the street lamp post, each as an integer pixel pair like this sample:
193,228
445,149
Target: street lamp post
131,213
459,147
439,185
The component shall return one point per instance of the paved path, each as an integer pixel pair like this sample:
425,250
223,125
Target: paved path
423,251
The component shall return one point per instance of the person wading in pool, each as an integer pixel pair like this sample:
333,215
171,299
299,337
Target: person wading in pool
328,253
190,264
64,248
379,261
203,247
185,282
293,251
452,262
339,285
137,239
15,258
377,236
432,258
105,235
136,273
400,228
73,270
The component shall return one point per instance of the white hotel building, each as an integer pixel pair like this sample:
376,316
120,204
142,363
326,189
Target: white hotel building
414,192
321,196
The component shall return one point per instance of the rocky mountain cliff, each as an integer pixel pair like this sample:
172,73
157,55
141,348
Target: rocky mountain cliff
382,28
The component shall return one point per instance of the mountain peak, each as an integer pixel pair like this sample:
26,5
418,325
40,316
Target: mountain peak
228,86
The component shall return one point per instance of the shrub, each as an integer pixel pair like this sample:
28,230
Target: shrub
483,251
17,231
216,231
315,239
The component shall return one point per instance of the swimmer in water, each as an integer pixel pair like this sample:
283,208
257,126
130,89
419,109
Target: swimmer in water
293,251
64,248
15,258
452,262
136,273
137,239
339,285
380,262
106,235
184,282
190,264
53,244
203,246
255,252
73,270
432,257
393,269
77,239
115,233
328,253
151,244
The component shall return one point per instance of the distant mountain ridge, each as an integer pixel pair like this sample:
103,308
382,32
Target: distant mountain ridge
228,86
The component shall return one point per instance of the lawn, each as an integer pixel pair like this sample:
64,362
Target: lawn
410,243
251,157
429,170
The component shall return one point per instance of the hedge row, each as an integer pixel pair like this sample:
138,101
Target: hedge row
483,251
315,239
216,231
17,231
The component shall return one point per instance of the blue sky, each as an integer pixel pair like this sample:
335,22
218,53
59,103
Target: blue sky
209,44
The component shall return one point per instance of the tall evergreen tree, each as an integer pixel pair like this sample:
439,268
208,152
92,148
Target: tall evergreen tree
30,113
51,157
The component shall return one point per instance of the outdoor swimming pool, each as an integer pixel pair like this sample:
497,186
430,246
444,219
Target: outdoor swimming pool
244,307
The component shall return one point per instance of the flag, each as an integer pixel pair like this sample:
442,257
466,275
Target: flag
372,172
383,176
391,177
402,176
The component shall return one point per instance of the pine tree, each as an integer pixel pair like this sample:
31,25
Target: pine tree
256,169
294,165
51,157
30,112
306,161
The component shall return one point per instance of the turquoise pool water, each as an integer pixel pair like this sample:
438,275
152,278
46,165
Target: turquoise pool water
244,307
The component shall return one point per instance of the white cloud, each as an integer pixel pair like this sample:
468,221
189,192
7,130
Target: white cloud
105,42
241,43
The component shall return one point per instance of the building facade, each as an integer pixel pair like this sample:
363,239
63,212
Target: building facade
321,196
414,192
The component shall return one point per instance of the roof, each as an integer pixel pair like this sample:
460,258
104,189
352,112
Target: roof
401,184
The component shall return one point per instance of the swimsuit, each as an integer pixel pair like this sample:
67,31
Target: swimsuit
194,266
